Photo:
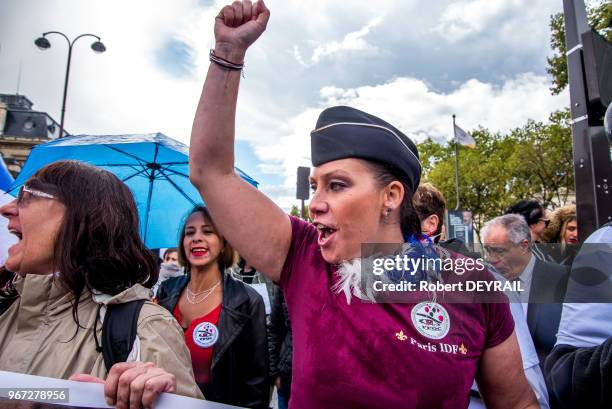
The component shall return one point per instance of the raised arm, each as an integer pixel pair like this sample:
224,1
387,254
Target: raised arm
501,379
251,222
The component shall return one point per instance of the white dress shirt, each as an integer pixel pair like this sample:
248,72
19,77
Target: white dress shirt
531,362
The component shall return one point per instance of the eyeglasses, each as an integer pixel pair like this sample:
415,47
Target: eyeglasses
22,198
496,251
546,221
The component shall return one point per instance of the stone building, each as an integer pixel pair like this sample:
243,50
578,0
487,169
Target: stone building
21,128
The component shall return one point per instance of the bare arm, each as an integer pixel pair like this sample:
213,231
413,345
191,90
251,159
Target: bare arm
501,379
252,223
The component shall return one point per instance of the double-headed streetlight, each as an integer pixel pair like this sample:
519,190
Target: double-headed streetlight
43,44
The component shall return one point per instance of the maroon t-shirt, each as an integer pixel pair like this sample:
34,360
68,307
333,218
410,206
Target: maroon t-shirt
366,355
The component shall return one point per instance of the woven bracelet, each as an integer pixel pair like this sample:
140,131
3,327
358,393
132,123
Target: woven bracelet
228,65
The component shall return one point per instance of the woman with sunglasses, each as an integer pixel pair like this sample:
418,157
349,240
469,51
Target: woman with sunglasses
535,216
78,253
348,352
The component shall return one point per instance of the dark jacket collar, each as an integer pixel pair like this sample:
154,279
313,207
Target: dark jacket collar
233,314
233,317
234,292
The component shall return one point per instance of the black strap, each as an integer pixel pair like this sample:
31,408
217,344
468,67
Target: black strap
119,331
5,303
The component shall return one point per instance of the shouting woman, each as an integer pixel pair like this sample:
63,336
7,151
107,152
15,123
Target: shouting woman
79,255
347,353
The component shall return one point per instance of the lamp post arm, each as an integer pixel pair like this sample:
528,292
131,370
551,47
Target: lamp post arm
61,132
85,35
70,45
60,33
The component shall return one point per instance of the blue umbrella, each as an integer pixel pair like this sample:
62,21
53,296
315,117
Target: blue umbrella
6,180
154,167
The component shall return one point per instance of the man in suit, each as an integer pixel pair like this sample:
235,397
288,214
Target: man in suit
507,243
430,206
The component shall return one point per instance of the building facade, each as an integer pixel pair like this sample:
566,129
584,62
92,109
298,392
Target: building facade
21,128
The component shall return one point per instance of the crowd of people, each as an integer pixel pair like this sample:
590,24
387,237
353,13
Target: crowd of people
82,298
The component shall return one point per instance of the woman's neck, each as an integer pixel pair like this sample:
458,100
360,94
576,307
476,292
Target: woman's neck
203,278
389,233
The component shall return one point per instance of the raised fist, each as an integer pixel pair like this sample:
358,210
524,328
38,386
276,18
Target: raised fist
238,25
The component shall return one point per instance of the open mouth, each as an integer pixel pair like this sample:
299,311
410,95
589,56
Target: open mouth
326,233
14,248
16,233
199,251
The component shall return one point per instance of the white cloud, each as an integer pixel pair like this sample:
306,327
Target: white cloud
464,18
420,112
270,168
298,56
353,41
119,91
310,57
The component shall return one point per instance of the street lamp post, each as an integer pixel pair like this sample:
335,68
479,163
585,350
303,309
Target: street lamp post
43,44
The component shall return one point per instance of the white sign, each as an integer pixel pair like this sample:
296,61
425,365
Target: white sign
89,395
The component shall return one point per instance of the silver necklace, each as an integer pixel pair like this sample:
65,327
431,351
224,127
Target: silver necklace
197,298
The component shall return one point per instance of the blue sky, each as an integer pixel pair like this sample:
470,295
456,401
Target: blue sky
410,62
248,162
176,58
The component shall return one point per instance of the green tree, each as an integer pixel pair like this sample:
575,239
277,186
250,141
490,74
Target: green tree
542,160
482,173
531,161
599,17
295,211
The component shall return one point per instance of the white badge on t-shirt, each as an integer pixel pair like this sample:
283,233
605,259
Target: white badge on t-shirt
430,319
205,334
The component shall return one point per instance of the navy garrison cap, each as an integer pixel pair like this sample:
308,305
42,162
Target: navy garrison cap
344,132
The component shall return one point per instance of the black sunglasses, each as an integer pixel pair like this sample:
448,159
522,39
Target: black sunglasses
546,221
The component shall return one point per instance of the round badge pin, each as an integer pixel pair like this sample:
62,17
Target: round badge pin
430,319
205,334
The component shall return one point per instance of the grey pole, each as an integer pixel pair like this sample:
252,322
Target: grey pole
456,163
592,173
97,47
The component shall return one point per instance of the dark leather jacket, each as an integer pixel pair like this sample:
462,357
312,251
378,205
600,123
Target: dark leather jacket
239,368
280,342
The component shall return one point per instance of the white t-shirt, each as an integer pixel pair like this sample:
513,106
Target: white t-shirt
531,362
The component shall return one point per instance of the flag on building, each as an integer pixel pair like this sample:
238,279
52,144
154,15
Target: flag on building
463,138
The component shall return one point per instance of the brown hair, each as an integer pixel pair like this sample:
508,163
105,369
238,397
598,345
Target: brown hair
98,245
571,218
169,251
385,174
558,222
228,256
429,200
